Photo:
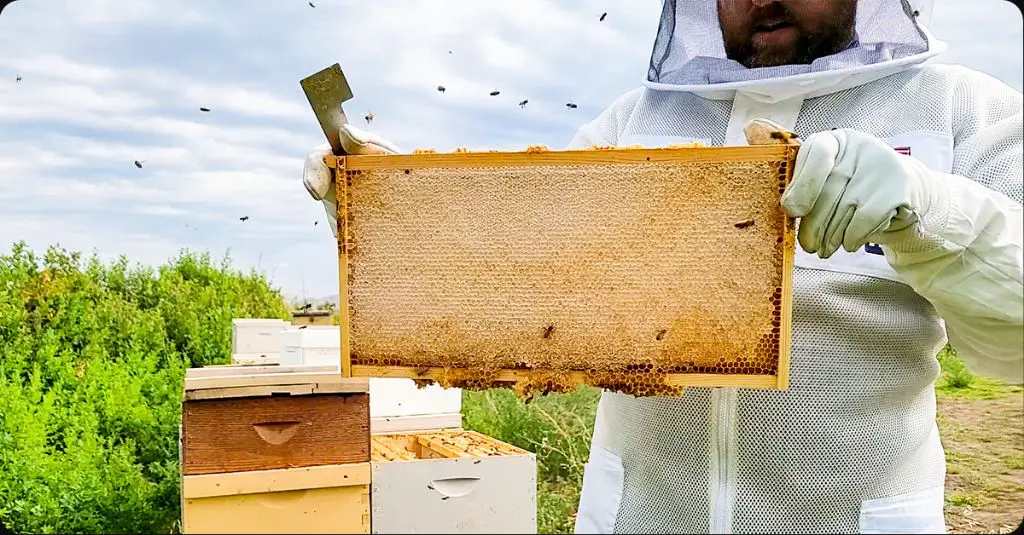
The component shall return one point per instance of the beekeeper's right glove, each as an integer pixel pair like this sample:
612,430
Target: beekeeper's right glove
318,178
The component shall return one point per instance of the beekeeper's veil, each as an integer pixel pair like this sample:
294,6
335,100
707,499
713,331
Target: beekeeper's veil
689,52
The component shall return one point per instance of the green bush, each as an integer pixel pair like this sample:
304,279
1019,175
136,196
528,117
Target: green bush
92,358
954,372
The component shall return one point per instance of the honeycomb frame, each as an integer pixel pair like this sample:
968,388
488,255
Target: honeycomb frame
488,363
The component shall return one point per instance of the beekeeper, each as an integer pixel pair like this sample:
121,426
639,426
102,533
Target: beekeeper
908,194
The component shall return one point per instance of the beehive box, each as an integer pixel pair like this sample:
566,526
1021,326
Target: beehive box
312,317
255,340
320,499
452,481
247,418
636,270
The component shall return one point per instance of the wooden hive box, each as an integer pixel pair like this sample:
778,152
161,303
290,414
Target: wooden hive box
250,418
317,499
451,481
637,270
312,317
266,449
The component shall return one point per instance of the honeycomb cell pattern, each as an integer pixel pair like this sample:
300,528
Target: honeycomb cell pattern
538,277
448,443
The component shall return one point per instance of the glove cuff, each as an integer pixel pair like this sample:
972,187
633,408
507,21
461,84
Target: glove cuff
331,207
927,235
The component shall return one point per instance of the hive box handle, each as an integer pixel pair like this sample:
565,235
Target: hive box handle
453,487
276,433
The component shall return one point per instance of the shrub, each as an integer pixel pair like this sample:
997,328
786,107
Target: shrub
954,371
92,359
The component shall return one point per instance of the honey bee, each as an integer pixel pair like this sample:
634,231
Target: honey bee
603,15
744,224
139,163
571,106
523,103
785,136
440,88
204,109
369,118
495,93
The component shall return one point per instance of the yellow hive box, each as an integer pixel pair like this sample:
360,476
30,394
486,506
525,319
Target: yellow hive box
637,270
318,499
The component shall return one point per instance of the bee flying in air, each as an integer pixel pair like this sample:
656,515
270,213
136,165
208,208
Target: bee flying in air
243,218
369,118
603,15
571,106
495,93
139,164
204,109
440,88
18,79
523,103
311,4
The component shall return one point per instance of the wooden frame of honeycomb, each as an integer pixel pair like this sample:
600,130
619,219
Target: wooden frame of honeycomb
640,271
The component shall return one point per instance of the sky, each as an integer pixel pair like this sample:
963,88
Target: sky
107,82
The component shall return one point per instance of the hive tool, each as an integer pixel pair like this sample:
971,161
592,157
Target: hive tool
326,91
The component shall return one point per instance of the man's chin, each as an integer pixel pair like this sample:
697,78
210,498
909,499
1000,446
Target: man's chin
774,58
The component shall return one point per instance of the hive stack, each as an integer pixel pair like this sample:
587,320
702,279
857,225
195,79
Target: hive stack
283,445
269,450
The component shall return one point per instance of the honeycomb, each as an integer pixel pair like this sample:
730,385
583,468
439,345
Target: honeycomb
440,444
626,273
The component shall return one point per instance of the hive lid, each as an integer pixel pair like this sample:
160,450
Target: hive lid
214,382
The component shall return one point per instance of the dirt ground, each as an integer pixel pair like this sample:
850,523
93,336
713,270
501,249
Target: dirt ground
984,442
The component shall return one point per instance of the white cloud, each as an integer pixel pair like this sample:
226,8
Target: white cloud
107,82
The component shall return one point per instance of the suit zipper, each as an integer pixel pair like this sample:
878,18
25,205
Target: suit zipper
723,403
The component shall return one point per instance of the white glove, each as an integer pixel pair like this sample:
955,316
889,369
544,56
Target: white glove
850,188
319,179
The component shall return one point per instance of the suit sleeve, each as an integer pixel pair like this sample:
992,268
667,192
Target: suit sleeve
970,264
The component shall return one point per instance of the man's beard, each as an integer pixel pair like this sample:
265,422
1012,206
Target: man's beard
806,49
824,40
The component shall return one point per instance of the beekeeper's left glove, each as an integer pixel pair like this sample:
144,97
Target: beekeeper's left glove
850,188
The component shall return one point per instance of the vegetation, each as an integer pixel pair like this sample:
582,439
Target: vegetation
92,358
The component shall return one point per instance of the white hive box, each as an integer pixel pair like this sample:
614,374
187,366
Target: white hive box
255,340
396,404
315,345
451,481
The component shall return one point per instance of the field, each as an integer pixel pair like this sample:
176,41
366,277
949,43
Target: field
91,374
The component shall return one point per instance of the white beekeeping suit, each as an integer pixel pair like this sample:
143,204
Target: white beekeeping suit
852,445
